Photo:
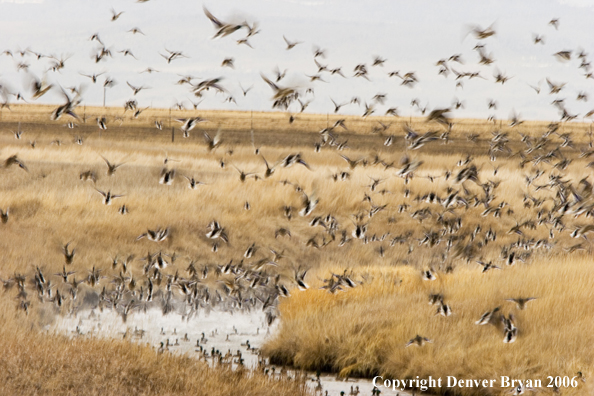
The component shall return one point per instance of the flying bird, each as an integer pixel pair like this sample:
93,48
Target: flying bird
291,44
115,15
108,196
136,89
222,29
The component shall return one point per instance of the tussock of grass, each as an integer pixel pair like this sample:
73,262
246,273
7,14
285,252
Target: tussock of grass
363,332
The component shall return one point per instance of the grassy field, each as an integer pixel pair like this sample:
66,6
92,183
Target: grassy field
239,121
359,331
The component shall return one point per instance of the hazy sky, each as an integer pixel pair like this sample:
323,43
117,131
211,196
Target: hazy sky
411,35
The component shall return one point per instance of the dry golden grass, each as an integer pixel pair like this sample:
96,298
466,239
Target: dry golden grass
356,333
363,332
243,121
35,363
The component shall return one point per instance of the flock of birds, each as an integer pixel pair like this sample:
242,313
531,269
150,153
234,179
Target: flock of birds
449,219
291,97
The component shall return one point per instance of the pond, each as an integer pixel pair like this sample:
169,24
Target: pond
236,335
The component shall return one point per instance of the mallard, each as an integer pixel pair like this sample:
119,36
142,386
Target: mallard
282,232
213,143
521,302
223,29
443,309
269,169
487,266
167,176
135,89
429,275
291,44
554,23
228,62
111,168
4,215
157,235
108,196
250,251
216,231
68,255
93,77
481,33
14,160
581,231
487,317
510,335
292,159
435,298
193,183
64,275
243,175
88,175
309,204
418,340
115,15
359,231
299,279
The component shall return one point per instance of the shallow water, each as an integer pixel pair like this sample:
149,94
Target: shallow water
223,331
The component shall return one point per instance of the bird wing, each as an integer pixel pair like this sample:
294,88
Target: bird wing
109,165
272,85
212,18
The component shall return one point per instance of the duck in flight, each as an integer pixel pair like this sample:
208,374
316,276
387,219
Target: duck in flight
108,197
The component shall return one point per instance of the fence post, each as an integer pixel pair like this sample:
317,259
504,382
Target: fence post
172,135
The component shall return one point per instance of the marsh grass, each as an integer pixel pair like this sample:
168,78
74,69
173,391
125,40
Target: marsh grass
271,122
359,332
363,332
